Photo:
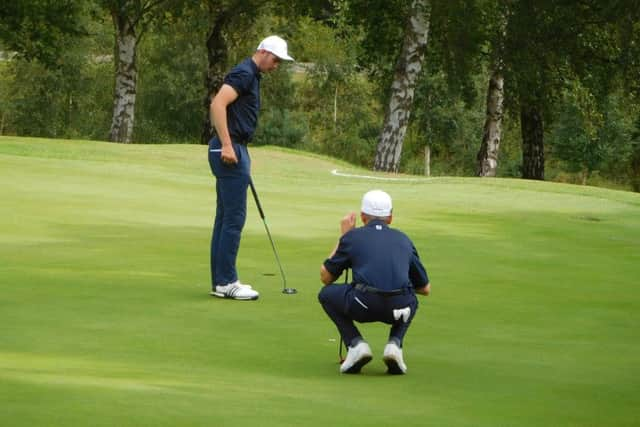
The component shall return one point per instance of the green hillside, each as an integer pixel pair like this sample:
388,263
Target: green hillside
105,318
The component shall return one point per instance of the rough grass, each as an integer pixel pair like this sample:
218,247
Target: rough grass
105,317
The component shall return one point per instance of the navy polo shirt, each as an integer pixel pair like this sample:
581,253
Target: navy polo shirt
379,256
242,114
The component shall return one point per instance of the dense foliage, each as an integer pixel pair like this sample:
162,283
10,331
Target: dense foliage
56,80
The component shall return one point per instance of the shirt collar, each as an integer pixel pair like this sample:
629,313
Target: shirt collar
254,68
377,222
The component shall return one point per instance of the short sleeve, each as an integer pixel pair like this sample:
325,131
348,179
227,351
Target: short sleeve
239,79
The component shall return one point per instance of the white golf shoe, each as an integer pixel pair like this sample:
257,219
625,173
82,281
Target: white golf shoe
357,357
392,357
242,285
236,290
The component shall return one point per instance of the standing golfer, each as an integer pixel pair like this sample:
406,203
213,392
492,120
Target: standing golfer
234,113
387,273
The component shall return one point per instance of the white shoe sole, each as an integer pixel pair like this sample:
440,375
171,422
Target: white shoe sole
223,295
355,369
393,367
358,364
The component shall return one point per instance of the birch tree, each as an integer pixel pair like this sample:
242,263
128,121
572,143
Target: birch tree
130,20
492,134
407,70
487,157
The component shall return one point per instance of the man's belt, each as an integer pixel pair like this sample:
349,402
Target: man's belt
388,293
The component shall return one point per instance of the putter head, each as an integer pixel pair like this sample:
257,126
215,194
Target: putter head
289,291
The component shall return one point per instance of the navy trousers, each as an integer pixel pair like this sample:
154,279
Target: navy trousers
232,182
344,304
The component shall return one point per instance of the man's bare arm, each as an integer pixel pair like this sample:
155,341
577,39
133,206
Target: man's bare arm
218,111
347,223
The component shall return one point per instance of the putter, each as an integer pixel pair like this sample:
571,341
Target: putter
342,344
285,289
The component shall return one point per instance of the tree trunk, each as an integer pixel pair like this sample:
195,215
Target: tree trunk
427,160
406,73
584,176
124,97
531,126
335,108
635,168
488,154
217,50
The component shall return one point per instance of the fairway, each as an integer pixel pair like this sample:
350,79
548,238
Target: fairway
105,317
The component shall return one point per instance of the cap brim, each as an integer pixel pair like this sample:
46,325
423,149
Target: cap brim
286,57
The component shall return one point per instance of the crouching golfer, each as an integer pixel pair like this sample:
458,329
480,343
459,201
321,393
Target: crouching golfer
387,273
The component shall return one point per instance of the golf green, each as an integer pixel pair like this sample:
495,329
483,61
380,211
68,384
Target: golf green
105,317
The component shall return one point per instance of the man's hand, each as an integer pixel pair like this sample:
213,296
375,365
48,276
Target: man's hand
425,290
348,222
326,277
228,155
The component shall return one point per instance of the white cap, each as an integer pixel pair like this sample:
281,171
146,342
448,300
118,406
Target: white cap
275,45
377,203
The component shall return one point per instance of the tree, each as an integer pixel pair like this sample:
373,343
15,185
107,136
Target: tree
40,29
587,135
68,98
533,53
169,98
487,156
607,61
407,70
635,158
444,121
549,43
130,21
333,95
